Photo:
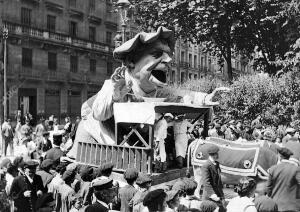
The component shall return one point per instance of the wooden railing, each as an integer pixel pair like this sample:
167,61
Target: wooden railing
123,157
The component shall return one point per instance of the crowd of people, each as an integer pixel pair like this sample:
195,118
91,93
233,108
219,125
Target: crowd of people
41,178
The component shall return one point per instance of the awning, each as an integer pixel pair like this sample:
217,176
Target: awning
145,112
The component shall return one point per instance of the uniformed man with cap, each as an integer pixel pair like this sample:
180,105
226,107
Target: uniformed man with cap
127,192
211,177
55,153
27,187
105,193
284,182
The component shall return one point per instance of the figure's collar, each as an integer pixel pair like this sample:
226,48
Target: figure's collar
103,203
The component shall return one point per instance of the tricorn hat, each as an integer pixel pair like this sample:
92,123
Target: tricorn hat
141,38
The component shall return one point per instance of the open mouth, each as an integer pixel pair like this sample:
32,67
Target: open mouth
160,75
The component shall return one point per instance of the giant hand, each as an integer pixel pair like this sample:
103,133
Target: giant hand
209,97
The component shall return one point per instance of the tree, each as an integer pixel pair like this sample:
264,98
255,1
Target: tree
262,29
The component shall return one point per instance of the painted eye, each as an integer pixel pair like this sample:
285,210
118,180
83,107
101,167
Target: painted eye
157,54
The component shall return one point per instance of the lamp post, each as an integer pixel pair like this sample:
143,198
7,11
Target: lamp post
5,36
123,6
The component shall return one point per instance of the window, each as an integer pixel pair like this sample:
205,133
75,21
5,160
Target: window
72,3
92,5
190,60
182,77
52,63
51,23
93,65
195,61
109,68
26,57
182,57
195,76
73,63
72,28
26,16
108,37
92,34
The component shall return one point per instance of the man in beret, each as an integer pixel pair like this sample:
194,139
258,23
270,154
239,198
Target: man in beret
105,194
127,192
284,181
211,177
55,152
145,58
27,187
45,173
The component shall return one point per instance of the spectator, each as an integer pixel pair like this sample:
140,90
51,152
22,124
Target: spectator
190,202
283,182
26,188
45,203
294,146
66,191
127,193
243,202
155,200
269,137
55,152
45,173
8,136
105,193
144,183
211,179
290,132
265,204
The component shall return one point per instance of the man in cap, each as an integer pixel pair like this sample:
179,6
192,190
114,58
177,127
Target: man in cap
181,129
269,138
173,200
190,202
45,173
294,145
46,145
290,132
211,177
105,194
144,184
155,200
27,187
126,193
7,135
145,58
160,134
283,182
55,153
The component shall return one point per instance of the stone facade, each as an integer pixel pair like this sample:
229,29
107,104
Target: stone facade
80,31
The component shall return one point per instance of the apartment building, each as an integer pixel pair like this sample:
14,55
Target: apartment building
59,53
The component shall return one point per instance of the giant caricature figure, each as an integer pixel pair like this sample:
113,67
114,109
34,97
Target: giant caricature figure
146,59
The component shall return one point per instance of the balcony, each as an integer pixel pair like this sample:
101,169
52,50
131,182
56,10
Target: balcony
56,76
94,79
21,30
76,77
54,6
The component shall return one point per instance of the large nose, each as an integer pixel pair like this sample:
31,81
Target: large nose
166,58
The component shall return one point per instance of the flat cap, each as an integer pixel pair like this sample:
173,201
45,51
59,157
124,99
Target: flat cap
190,184
154,197
285,152
100,184
179,185
212,149
5,162
208,206
143,178
131,174
47,163
31,164
143,38
265,204
169,115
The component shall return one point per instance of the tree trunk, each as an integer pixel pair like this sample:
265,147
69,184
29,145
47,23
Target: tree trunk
229,64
